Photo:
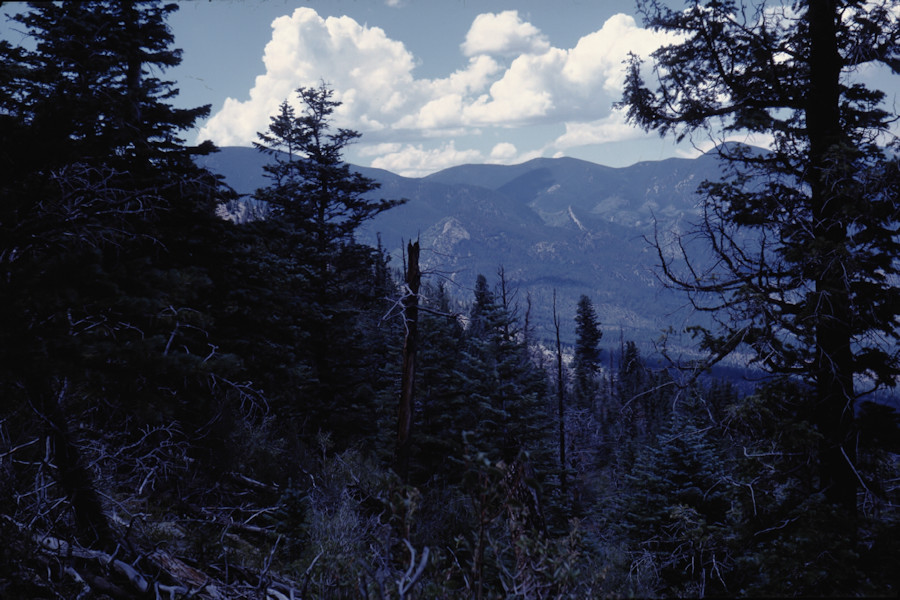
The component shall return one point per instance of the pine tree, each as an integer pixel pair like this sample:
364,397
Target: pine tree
88,92
508,387
93,167
312,187
322,203
103,206
447,414
632,375
586,362
788,538
803,235
676,508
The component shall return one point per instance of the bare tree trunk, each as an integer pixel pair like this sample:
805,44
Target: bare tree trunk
406,411
561,400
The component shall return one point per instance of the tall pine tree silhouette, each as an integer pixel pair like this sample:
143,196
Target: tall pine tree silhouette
804,234
103,208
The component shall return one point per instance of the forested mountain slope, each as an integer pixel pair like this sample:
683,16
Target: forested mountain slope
563,224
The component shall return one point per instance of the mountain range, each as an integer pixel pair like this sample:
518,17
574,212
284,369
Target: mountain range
558,224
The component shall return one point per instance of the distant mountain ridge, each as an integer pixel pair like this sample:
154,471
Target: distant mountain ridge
561,223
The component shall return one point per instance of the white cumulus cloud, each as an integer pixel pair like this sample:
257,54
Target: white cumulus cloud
526,92
370,73
510,76
504,151
505,34
612,128
596,60
417,161
379,149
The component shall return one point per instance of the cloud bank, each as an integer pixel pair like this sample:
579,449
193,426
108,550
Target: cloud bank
510,77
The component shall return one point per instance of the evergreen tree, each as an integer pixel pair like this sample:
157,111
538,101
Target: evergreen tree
787,537
500,376
676,509
322,203
446,414
803,235
483,340
632,375
312,187
586,362
105,222
636,411
88,92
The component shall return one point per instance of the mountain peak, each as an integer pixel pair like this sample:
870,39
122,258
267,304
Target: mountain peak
554,224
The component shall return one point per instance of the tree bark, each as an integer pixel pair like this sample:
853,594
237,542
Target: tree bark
833,369
406,413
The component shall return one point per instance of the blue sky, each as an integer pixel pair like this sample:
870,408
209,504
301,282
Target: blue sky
430,83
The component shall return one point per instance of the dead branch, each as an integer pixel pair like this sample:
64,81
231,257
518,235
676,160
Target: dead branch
188,581
241,527
12,451
405,585
253,483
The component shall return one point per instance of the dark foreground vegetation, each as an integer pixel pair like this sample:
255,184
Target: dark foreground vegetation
197,408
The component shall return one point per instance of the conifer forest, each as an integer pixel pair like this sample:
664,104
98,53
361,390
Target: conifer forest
192,407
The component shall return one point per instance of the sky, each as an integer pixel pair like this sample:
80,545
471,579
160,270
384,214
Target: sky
429,84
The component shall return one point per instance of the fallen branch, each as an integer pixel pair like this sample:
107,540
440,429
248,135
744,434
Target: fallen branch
159,575
410,578
253,483
190,581
177,570
62,548
19,447
241,526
